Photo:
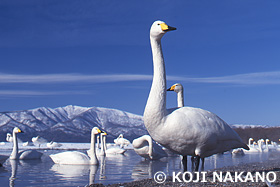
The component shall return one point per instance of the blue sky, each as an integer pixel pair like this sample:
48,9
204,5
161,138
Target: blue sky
97,53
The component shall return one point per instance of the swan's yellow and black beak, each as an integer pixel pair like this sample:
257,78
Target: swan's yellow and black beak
172,88
166,28
20,131
105,133
98,130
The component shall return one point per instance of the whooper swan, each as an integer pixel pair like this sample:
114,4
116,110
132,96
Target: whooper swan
78,158
179,89
185,130
145,147
25,154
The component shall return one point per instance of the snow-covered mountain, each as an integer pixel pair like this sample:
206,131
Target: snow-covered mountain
71,123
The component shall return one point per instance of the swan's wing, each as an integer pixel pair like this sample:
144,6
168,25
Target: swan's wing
201,131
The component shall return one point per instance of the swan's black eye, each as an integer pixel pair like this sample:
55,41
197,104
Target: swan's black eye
158,24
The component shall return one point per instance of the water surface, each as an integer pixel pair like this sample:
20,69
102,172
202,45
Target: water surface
112,169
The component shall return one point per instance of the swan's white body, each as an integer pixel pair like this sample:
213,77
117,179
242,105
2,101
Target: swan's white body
185,130
78,158
178,88
25,154
122,141
145,147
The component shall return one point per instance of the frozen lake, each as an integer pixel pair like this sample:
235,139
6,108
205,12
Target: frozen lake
112,168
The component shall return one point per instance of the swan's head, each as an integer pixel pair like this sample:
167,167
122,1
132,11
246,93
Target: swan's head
159,28
17,130
95,130
176,88
9,135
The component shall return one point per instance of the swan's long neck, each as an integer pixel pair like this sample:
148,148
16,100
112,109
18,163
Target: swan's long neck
180,99
250,142
149,140
98,144
104,142
155,109
93,158
14,154
102,145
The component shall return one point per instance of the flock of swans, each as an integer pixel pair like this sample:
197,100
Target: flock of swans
186,131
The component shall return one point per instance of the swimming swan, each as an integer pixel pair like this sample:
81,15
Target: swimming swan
252,147
121,141
114,149
25,154
39,140
145,147
185,130
78,158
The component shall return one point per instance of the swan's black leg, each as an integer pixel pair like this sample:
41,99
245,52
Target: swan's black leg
193,161
185,163
202,164
197,163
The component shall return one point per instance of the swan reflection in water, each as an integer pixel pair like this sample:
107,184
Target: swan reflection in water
26,165
148,168
14,166
72,172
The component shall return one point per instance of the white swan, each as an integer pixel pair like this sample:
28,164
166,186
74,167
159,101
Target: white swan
9,138
53,144
252,146
179,89
145,147
99,151
122,141
25,154
78,158
249,142
185,130
269,147
39,140
114,149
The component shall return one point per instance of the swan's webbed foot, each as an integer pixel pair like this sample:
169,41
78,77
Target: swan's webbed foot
185,163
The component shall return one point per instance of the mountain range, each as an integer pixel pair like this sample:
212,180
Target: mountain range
71,123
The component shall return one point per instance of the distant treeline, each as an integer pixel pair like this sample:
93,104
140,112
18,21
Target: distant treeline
271,133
